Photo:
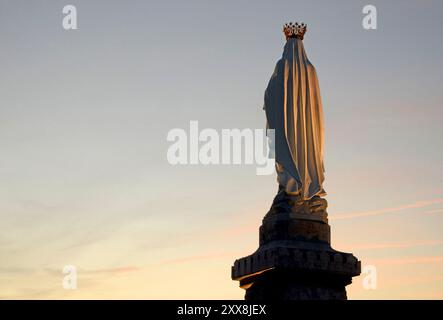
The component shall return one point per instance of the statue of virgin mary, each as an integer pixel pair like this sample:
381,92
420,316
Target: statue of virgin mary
294,110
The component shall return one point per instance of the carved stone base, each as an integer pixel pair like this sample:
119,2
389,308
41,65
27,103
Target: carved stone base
296,270
287,285
295,260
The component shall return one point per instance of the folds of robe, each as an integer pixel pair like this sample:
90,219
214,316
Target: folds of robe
294,110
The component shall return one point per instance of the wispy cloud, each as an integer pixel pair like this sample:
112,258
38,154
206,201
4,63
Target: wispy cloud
406,261
209,256
411,280
415,205
380,246
235,231
112,271
435,211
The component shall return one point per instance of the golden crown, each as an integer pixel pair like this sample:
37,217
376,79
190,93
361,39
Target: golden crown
294,30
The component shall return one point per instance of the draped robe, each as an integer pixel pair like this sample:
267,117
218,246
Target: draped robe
294,110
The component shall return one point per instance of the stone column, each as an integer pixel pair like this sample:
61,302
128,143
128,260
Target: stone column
295,260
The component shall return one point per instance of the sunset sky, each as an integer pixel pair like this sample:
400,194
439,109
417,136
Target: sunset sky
84,116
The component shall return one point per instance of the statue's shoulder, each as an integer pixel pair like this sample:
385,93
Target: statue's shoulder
278,67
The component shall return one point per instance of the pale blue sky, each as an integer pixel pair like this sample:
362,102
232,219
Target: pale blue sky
84,116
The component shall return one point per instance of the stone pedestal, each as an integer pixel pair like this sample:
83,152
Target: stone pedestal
295,260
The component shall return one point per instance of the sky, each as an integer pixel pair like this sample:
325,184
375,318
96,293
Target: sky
84,116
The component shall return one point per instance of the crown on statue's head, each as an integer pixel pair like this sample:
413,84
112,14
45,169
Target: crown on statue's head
294,30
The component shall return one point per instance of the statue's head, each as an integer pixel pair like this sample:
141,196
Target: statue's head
294,30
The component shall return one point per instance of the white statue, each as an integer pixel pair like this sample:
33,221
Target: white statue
294,110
